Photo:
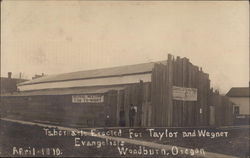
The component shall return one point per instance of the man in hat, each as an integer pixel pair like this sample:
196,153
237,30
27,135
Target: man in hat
132,115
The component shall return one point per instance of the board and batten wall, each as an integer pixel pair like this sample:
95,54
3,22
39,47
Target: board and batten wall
156,104
128,79
208,108
59,109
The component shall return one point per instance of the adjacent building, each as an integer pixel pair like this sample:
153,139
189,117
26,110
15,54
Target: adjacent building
9,84
240,97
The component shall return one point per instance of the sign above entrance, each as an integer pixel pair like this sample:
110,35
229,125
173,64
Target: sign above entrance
87,98
184,94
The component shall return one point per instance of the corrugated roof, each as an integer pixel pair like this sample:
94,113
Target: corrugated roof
238,92
97,73
66,91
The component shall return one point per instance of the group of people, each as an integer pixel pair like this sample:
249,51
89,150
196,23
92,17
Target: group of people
132,116
122,121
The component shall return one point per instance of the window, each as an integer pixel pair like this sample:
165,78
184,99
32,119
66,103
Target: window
236,110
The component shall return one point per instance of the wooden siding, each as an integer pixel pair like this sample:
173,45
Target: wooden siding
167,112
154,100
58,109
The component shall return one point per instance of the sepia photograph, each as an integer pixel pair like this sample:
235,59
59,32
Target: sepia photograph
154,79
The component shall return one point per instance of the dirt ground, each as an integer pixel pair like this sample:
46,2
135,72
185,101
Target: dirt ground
15,137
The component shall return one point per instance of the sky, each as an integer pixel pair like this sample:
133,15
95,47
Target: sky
54,37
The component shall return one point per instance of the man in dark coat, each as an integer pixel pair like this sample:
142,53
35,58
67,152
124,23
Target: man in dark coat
132,115
122,118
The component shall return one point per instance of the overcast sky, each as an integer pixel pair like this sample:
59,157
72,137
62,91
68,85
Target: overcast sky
58,36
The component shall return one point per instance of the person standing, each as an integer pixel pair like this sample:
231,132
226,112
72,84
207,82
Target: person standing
107,121
122,119
132,115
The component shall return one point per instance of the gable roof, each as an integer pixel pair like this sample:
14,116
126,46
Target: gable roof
97,73
238,92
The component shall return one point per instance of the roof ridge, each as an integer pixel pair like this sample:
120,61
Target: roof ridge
113,67
239,87
94,73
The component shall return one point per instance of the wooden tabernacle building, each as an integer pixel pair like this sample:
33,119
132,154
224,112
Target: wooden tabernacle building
167,93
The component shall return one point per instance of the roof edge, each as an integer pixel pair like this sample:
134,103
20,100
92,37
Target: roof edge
86,78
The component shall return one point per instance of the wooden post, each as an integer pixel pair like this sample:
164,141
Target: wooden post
170,91
118,107
179,83
140,99
184,84
153,119
175,103
196,105
164,105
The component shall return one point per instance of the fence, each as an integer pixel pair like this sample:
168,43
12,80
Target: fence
223,108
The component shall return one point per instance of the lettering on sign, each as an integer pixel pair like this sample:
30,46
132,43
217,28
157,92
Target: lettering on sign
87,98
184,94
